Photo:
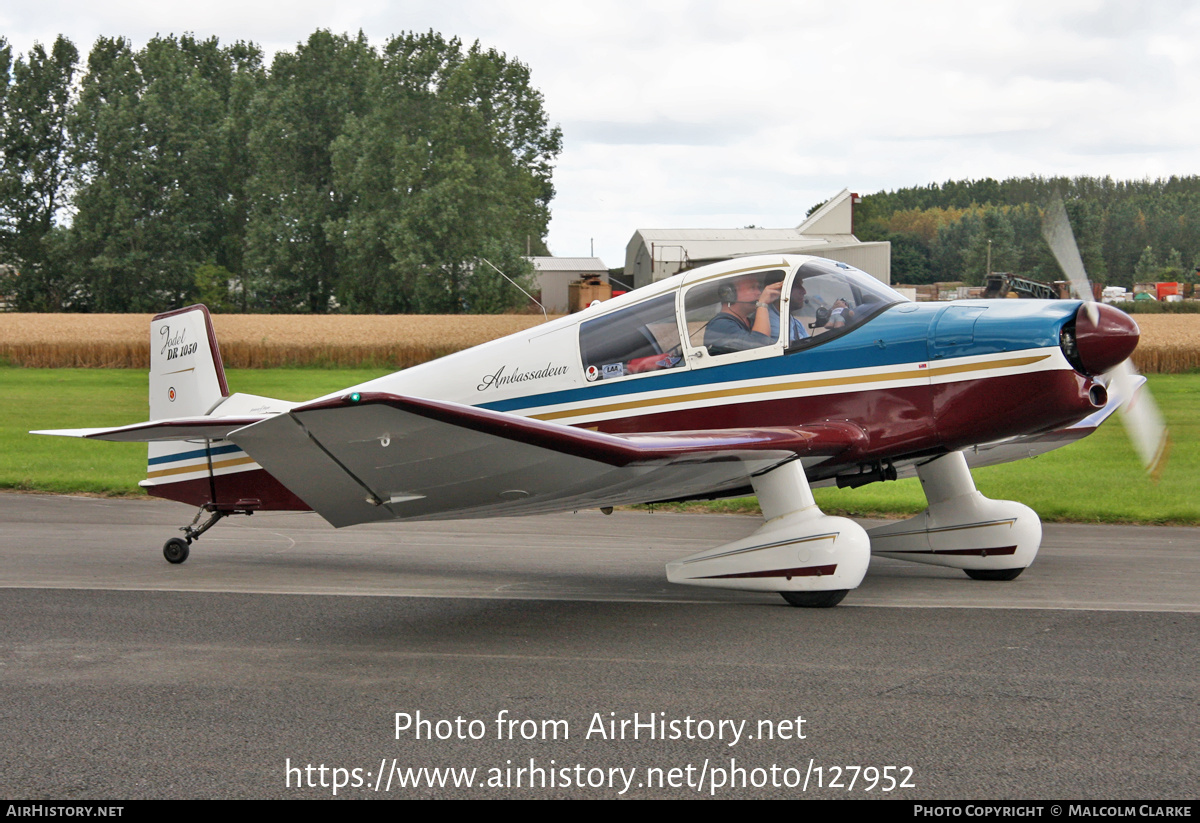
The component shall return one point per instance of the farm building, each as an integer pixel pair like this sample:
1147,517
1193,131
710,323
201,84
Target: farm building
553,275
654,254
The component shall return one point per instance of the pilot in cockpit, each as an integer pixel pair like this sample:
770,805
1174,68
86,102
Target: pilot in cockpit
743,322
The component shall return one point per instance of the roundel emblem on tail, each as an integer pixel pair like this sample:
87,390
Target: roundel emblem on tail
171,394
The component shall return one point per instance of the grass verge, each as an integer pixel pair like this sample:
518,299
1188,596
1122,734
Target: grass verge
84,398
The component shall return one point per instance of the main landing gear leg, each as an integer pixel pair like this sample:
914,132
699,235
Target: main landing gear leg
805,555
962,529
177,549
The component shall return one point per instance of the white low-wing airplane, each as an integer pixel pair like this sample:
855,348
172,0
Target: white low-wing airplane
685,389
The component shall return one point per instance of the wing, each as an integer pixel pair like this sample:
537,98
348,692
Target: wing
385,456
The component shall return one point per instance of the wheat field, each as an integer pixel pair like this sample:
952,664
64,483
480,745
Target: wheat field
1170,343
253,340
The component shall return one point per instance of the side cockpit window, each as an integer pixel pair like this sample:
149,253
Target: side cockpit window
637,340
828,297
734,313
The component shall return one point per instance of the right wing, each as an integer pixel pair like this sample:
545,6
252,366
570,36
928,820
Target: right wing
386,456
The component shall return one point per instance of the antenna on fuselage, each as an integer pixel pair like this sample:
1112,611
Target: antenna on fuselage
514,282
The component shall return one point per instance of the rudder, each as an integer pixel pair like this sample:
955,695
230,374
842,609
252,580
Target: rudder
187,378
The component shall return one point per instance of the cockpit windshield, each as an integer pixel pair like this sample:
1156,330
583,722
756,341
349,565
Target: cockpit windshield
827,296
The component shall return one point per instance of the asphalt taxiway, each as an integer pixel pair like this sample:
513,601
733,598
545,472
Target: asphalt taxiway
283,644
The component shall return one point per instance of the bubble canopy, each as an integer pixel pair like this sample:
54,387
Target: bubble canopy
787,304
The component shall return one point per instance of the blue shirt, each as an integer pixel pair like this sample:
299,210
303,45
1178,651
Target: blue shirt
796,330
727,333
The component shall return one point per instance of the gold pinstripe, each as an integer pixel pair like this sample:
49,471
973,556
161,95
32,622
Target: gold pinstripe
697,397
199,467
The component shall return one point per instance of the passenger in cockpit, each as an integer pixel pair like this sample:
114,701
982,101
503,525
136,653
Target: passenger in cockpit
796,330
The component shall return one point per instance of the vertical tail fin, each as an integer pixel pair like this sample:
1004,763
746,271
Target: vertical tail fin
187,377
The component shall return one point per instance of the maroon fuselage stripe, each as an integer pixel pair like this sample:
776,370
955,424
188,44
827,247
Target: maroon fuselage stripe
903,420
806,571
1000,550
255,484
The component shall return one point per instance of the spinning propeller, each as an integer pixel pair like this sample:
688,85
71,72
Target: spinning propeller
1142,419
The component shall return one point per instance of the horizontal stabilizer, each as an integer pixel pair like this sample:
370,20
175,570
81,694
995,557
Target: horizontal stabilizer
380,456
156,431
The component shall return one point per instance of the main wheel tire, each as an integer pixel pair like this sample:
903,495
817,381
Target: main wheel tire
815,600
994,574
176,550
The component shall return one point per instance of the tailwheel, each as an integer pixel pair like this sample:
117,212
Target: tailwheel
993,574
176,550
815,600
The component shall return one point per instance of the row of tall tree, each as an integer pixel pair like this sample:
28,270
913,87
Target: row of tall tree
341,175
1127,231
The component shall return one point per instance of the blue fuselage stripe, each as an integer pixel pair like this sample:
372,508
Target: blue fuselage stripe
192,455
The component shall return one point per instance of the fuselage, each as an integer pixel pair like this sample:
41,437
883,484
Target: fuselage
919,379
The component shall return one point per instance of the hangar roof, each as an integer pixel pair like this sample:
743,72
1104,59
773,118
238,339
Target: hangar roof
829,226
568,264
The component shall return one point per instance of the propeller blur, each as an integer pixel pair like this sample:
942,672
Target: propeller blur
1139,413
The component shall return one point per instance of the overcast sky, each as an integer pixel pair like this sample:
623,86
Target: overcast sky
716,114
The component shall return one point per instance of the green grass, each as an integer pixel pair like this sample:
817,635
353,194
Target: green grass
1159,307
84,398
1096,480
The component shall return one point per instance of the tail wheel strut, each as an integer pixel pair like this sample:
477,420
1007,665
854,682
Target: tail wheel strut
177,549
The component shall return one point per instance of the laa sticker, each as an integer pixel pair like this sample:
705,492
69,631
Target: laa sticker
592,373
171,394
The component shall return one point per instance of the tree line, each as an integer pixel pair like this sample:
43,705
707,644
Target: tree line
341,176
1127,231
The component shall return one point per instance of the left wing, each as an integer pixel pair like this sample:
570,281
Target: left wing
380,456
